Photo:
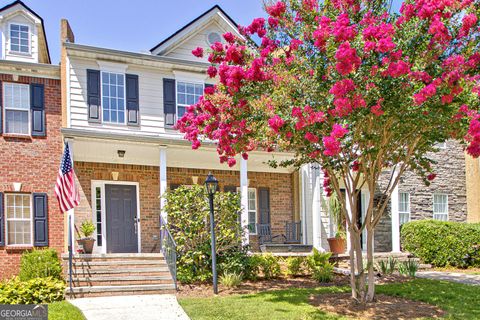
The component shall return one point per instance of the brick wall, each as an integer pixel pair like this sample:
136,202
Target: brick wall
280,185
34,162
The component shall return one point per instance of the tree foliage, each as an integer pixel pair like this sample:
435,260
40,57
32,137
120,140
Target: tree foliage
350,85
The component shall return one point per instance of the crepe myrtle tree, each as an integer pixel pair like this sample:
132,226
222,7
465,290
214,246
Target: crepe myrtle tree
349,85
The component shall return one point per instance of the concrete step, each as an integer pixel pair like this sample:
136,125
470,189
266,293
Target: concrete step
95,291
109,263
284,248
114,256
118,281
123,271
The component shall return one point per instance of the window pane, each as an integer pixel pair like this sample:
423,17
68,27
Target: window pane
181,111
19,38
190,89
113,97
16,122
19,220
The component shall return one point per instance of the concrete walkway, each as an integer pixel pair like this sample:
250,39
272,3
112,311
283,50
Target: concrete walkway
451,276
140,307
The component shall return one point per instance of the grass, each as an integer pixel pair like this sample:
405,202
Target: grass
458,300
64,310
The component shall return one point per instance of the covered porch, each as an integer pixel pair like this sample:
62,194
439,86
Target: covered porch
122,181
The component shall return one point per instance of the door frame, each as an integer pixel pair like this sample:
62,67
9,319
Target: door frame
101,184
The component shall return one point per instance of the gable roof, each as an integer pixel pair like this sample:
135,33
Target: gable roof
215,8
19,2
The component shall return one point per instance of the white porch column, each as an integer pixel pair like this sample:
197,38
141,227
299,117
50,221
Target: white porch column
317,207
395,217
163,179
244,199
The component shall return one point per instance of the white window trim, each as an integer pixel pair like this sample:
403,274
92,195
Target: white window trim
101,184
176,95
4,111
124,99
19,53
446,205
409,211
248,209
15,219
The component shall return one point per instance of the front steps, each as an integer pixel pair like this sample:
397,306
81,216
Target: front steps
97,275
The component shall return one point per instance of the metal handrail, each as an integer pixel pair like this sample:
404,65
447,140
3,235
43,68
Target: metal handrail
169,249
70,253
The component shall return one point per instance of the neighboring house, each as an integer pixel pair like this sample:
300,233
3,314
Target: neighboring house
119,115
30,139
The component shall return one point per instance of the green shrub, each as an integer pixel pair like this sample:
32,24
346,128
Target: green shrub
319,266
443,243
294,266
189,223
33,291
231,280
87,228
269,265
408,268
40,264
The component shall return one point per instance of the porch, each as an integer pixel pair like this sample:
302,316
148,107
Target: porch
122,184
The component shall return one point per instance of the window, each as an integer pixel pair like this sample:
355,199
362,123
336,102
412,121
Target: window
252,210
187,95
440,207
98,213
19,219
16,99
113,97
19,38
404,207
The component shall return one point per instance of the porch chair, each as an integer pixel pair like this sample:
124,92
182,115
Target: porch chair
264,232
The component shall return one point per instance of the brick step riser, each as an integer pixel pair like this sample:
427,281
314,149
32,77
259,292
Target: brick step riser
119,283
123,293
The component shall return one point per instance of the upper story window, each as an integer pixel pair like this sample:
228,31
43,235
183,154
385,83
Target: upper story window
440,207
188,93
19,219
404,207
16,98
113,97
19,38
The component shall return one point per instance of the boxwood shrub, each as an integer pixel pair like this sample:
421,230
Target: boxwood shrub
443,243
41,263
33,291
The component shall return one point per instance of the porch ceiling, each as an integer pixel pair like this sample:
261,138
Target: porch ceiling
180,156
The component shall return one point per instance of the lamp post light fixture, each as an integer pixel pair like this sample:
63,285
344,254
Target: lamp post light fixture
211,184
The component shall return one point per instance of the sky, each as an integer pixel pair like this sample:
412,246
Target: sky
128,25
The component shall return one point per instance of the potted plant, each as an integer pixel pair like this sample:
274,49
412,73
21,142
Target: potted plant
87,241
338,242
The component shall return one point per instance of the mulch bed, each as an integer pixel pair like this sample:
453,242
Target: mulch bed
385,308
205,290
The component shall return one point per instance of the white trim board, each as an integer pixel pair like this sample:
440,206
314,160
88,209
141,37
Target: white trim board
101,184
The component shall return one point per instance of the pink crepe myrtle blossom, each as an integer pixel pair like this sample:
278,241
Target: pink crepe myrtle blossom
347,59
276,10
198,52
275,123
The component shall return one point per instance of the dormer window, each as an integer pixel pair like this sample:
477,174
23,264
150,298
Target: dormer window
19,38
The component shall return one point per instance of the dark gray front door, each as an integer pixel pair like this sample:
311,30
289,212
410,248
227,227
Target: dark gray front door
121,214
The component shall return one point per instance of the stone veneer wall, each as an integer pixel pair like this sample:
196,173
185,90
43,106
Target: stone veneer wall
450,180
280,185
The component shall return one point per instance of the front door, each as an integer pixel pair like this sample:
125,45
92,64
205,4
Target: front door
121,218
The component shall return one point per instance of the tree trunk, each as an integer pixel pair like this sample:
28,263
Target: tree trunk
357,273
371,273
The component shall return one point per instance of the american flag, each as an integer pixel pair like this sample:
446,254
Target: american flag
65,188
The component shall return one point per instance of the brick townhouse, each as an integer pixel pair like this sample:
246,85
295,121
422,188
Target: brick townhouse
30,139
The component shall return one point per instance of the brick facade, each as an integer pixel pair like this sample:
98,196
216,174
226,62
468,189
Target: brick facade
450,180
279,184
34,162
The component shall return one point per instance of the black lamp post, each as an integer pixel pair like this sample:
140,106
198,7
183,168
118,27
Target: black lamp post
211,183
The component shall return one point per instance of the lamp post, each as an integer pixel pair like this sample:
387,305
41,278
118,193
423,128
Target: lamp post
211,183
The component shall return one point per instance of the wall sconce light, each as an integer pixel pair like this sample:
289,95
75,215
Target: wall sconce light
195,179
115,176
121,153
17,186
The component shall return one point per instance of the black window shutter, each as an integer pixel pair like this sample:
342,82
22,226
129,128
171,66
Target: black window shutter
2,222
208,85
37,106
40,220
132,98
169,101
264,205
231,189
93,95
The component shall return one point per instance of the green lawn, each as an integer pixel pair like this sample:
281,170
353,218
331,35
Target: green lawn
460,302
63,310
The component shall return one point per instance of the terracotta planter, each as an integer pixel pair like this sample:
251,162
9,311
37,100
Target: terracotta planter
337,245
87,245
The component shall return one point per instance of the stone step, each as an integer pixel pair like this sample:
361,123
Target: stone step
284,248
123,271
114,256
118,281
95,291
109,263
